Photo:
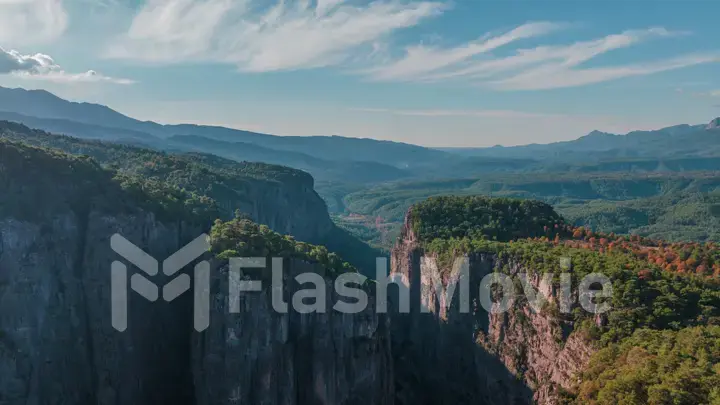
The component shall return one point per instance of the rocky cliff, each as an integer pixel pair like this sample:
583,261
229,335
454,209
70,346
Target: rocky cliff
277,196
57,344
448,357
260,356
57,215
280,197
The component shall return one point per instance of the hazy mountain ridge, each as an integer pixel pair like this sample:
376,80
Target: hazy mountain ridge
337,158
321,169
674,141
42,104
92,131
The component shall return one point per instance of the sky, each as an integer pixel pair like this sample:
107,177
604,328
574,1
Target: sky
432,73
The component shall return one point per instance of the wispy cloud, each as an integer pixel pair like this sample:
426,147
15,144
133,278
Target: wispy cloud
715,93
286,36
542,67
557,76
31,21
420,61
43,67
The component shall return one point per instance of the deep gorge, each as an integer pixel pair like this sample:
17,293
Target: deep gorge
57,346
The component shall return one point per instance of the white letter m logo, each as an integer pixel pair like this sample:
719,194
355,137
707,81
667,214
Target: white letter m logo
171,290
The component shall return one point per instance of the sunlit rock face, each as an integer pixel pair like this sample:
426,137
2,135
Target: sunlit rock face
446,356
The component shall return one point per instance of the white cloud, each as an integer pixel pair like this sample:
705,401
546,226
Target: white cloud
715,93
43,67
420,61
283,37
557,75
31,21
542,67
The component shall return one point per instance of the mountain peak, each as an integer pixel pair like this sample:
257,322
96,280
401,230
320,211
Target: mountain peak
598,133
714,124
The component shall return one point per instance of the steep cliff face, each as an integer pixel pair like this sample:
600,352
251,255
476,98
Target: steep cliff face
539,347
57,343
57,215
519,356
261,356
277,196
287,207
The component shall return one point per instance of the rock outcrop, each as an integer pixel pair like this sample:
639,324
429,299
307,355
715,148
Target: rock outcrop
261,356
58,346
282,198
448,357
57,343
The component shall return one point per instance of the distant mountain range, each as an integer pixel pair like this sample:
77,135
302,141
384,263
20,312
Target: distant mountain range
679,141
323,170
60,112
327,158
337,158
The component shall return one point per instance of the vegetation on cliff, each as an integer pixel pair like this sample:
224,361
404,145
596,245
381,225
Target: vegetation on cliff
656,367
196,182
36,179
663,292
201,183
644,295
456,224
196,172
478,217
243,238
701,259
45,177
662,205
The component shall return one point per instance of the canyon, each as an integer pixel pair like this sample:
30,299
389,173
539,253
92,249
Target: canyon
519,356
58,345
58,213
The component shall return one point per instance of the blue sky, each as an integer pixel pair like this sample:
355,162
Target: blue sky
466,73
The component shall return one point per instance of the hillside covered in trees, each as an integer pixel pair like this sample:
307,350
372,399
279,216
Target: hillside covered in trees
665,303
277,196
656,367
477,217
668,206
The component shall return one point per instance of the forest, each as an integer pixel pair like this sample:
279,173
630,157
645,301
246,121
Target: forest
665,305
670,206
